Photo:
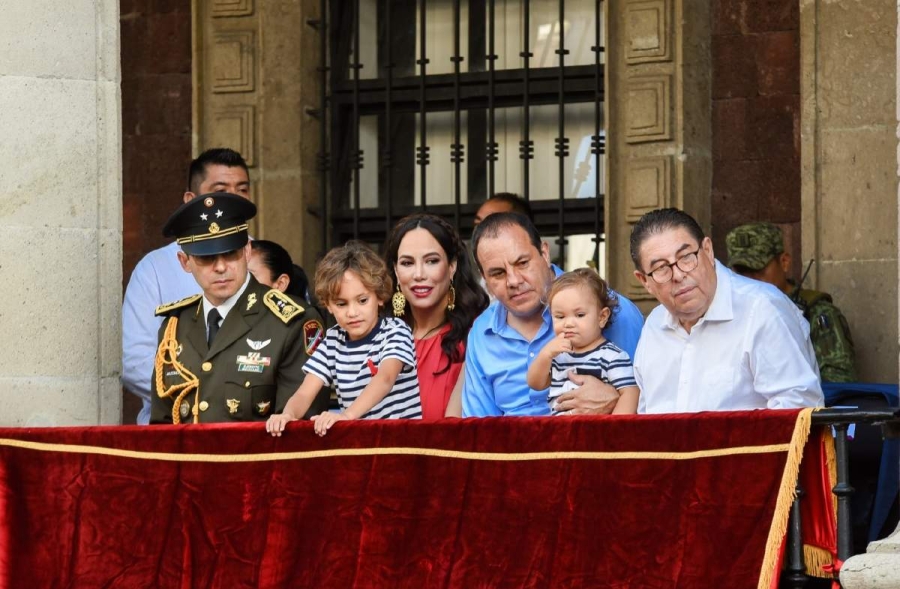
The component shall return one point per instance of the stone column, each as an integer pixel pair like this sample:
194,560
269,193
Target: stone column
659,122
255,78
879,567
848,169
60,213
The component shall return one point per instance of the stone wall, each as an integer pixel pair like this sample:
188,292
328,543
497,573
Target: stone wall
756,118
60,213
156,126
849,169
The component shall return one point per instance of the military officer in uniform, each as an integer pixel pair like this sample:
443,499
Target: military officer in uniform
756,250
236,351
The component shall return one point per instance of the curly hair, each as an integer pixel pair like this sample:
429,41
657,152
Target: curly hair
357,257
589,280
471,299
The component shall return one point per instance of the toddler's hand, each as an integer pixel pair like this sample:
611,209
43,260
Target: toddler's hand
275,424
557,346
325,420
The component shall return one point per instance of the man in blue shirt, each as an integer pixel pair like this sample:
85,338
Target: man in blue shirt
504,340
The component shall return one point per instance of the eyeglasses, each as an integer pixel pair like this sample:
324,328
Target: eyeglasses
231,256
685,263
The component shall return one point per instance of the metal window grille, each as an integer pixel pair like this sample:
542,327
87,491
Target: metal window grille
435,105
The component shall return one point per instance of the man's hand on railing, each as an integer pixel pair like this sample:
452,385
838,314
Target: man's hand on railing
592,397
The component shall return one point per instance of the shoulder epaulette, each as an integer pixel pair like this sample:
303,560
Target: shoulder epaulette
282,305
185,302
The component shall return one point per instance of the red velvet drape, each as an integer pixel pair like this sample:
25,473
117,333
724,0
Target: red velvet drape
527,502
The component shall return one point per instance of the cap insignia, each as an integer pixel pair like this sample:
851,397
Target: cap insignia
209,201
214,228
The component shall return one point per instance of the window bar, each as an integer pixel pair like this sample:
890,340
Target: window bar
492,142
526,145
422,150
357,159
387,154
562,142
598,143
843,490
322,163
457,154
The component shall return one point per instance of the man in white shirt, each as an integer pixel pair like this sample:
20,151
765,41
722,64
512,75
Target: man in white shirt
718,341
158,278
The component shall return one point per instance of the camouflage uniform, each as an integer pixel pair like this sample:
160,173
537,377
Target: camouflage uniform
752,247
829,333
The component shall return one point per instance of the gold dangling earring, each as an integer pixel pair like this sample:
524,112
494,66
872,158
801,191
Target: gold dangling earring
451,298
398,302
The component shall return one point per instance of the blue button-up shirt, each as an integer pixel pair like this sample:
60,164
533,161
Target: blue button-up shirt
498,358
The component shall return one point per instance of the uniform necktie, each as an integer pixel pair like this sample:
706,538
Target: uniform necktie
212,322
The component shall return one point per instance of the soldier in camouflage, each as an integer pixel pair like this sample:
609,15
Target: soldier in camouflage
756,250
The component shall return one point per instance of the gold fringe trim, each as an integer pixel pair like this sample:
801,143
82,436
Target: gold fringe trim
167,353
392,451
786,494
816,558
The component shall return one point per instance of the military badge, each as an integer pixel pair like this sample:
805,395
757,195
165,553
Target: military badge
313,332
257,346
214,228
184,410
251,300
233,405
253,362
282,305
262,408
209,201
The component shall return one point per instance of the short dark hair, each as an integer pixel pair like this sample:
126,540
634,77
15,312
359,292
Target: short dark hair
588,279
217,156
278,261
517,203
656,222
493,224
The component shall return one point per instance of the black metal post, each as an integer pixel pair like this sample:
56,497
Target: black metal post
492,141
357,152
386,160
795,572
843,490
598,144
562,142
526,145
322,159
456,150
422,150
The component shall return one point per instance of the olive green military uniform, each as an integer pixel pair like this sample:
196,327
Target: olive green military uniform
829,333
254,366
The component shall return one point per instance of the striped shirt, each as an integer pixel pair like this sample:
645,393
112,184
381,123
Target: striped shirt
607,362
349,366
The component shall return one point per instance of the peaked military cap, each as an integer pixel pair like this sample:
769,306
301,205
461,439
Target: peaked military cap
211,224
754,245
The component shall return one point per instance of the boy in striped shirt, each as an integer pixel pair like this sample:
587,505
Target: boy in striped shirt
370,360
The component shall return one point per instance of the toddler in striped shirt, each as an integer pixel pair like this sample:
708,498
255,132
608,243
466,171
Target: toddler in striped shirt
581,306
370,360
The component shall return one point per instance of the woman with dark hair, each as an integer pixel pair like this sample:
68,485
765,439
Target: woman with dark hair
439,297
271,265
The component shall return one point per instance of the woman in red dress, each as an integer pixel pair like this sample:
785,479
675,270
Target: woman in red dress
439,297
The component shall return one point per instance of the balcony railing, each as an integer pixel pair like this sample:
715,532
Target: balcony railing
840,420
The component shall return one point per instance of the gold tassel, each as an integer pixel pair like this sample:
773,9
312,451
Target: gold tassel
167,353
816,558
786,495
